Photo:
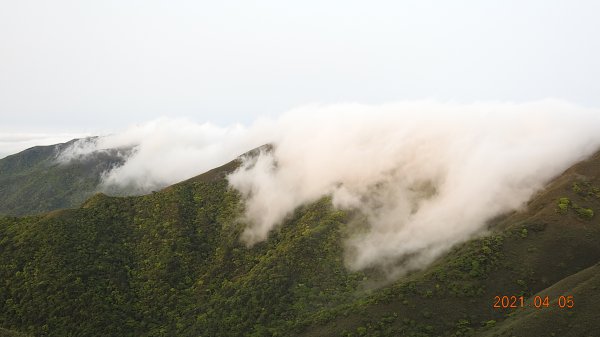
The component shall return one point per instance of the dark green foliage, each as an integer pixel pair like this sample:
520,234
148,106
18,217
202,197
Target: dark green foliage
33,182
577,188
171,264
168,263
10,333
586,189
463,328
524,233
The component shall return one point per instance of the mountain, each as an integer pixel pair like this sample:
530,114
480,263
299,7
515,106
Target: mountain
171,264
34,181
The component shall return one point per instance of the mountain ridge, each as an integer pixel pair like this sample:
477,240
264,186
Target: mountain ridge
36,181
171,263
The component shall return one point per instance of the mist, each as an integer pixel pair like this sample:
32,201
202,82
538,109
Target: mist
14,142
425,175
165,151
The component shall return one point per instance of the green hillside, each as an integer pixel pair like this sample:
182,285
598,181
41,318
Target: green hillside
10,333
33,182
170,264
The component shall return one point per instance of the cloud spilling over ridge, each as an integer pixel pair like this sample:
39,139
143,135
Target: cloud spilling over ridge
425,175
13,142
165,151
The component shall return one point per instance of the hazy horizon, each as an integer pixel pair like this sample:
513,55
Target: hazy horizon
69,69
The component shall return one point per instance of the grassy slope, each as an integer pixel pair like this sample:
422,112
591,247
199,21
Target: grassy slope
32,182
170,263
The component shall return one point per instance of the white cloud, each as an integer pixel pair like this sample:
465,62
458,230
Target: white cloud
166,151
426,175
13,142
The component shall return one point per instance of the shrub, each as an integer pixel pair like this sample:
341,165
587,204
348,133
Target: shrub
586,213
524,233
563,205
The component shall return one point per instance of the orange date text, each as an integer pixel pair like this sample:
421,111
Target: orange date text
538,302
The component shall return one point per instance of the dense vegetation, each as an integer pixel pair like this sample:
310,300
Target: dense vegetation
33,181
170,264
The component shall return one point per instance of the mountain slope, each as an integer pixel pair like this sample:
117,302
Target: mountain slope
32,181
579,321
170,263
527,253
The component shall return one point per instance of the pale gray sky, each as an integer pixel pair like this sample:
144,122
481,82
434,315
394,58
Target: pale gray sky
84,66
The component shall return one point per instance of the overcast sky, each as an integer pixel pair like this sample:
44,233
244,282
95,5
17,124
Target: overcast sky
83,67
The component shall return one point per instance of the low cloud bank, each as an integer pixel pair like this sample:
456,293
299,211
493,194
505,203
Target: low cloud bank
165,151
425,175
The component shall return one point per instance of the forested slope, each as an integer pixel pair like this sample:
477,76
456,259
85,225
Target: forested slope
34,181
171,263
